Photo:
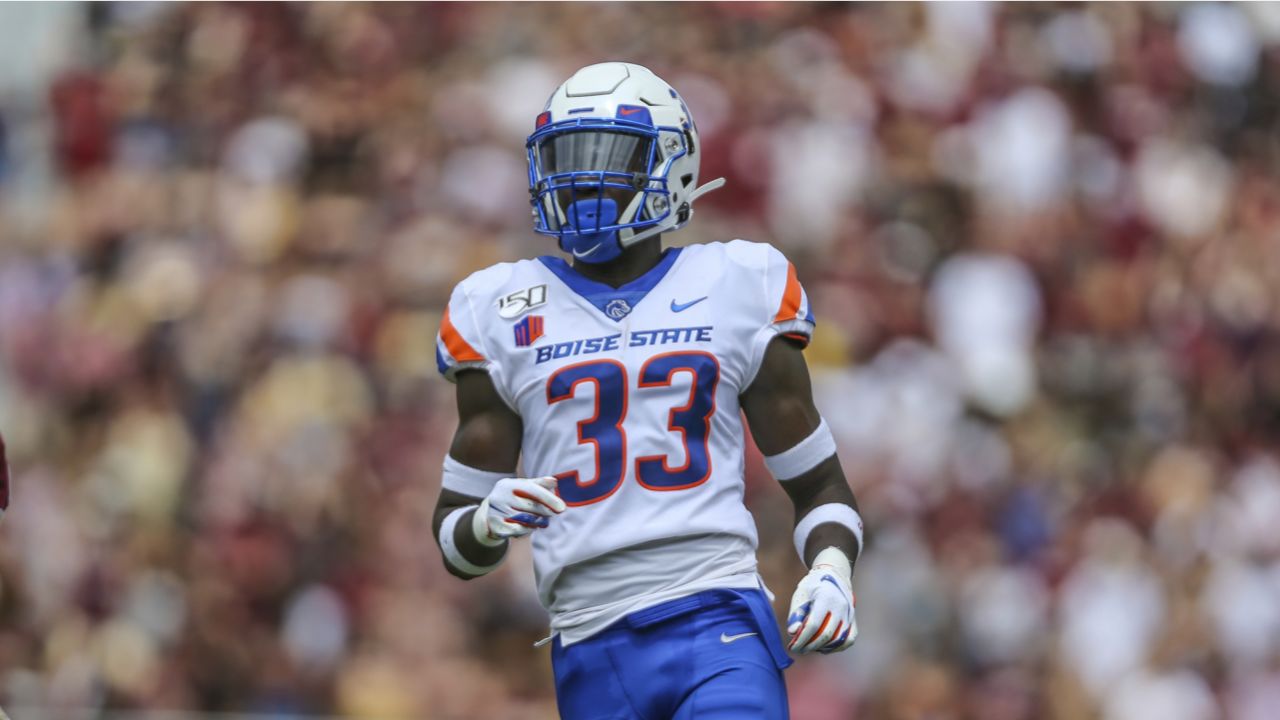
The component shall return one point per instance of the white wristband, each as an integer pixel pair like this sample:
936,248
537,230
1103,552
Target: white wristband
837,513
450,548
804,456
467,480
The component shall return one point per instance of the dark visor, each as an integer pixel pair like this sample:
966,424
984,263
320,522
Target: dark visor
593,151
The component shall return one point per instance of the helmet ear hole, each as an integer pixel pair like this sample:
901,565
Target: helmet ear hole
686,180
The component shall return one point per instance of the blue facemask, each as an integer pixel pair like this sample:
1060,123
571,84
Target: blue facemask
589,247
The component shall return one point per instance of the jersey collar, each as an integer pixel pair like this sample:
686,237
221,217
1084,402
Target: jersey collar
614,303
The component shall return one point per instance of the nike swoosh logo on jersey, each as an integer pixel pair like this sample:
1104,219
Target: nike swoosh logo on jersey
726,639
677,307
585,254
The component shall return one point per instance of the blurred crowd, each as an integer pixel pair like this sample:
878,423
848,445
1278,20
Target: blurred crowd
1043,243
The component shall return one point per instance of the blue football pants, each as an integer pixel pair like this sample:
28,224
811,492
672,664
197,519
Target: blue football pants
712,656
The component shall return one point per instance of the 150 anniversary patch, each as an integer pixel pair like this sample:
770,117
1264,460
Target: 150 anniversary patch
522,301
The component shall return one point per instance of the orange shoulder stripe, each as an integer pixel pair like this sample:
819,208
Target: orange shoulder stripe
790,306
458,348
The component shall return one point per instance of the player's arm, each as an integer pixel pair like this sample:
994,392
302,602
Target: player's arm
481,505
800,452
780,410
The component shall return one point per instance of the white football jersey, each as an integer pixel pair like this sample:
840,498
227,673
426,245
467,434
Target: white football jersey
629,396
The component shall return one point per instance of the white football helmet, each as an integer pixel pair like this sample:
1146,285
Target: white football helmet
613,160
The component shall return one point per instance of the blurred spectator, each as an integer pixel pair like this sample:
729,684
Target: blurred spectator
1041,242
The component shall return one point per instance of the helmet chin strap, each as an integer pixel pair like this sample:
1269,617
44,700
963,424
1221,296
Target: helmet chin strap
657,229
706,188
601,247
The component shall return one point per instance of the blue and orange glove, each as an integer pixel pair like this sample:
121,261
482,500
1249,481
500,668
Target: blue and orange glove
515,507
821,616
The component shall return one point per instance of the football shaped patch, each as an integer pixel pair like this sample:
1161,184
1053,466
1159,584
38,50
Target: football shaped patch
522,301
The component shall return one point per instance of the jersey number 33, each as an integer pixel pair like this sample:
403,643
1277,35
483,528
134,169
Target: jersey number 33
604,428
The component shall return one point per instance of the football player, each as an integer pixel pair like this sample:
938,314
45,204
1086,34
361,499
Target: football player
618,382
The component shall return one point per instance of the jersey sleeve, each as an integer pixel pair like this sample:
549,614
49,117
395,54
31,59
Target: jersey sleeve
459,344
786,310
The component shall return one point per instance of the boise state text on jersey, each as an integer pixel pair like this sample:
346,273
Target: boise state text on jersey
636,338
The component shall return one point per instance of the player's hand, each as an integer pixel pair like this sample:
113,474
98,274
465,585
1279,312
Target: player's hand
821,616
518,506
